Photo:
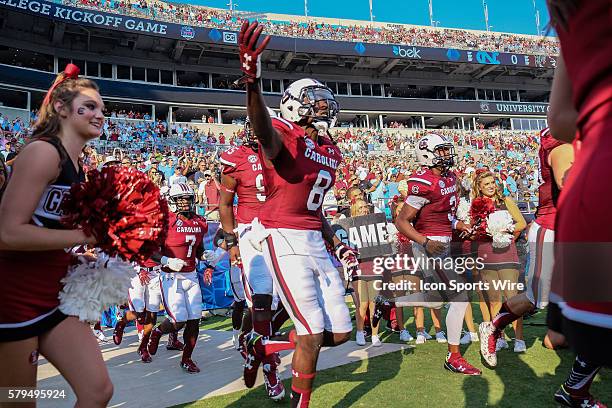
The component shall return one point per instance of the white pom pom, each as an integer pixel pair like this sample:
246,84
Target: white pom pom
91,288
501,226
463,210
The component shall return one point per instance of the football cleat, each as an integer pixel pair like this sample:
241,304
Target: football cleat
274,386
563,397
421,338
469,337
460,366
100,336
174,343
145,357
154,341
118,332
488,343
382,308
253,358
189,366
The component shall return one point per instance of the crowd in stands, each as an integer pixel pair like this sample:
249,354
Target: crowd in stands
390,34
371,155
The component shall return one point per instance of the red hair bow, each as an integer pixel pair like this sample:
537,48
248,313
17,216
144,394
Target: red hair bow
71,71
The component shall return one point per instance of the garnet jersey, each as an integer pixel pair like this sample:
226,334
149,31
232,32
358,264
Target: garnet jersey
243,165
436,199
185,237
298,179
548,190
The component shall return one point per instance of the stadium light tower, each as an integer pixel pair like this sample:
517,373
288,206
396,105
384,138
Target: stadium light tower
232,7
371,12
306,8
485,8
537,18
432,22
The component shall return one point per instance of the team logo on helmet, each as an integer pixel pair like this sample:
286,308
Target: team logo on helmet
252,159
423,144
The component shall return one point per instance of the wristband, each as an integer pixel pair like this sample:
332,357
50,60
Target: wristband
425,243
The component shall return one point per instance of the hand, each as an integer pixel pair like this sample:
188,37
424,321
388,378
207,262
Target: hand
465,230
144,277
174,264
250,56
348,257
234,254
208,273
435,248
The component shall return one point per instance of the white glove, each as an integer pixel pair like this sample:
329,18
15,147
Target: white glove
257,235
174,264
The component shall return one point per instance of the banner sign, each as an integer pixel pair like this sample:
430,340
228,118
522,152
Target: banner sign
368,234
113,21
514,108
218,294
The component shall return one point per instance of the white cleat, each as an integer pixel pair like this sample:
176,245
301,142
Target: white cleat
421,339
440,337
501,344
488,341
469,337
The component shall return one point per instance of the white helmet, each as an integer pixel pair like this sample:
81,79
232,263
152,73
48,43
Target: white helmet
428,151
300,101
251,139
181,190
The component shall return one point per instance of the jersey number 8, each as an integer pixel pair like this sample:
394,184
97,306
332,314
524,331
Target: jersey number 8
320,187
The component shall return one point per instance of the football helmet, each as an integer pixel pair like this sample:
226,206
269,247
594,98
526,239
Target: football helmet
181,199
251,139
309,98
433,150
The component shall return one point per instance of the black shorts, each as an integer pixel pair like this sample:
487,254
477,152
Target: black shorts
35,329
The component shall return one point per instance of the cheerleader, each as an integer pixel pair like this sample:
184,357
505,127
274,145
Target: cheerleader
35,248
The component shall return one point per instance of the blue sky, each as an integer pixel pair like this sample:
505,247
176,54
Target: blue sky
515,16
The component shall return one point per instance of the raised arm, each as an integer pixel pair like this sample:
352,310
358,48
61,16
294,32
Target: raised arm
250,64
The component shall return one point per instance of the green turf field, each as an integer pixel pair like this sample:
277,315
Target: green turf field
416,377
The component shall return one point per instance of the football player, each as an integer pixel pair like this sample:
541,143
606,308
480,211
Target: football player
555,158
243,176
179,283
299,163
427,219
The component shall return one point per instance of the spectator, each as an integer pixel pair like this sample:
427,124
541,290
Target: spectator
177,177
209,191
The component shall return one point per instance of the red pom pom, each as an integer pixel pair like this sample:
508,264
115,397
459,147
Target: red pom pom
123,209
479,211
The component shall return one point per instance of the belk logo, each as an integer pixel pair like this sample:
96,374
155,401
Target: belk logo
413,52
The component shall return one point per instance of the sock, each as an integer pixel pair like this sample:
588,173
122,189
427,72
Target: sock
504,318
144,341
452,356
237,312
454,322
279,318
300,398
190,337
279,343
580,378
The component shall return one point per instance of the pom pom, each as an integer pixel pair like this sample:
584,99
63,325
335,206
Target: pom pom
500,226
479,211
123,209
92,287
463,210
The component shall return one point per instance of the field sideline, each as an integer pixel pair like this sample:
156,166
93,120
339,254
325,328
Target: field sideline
416,377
